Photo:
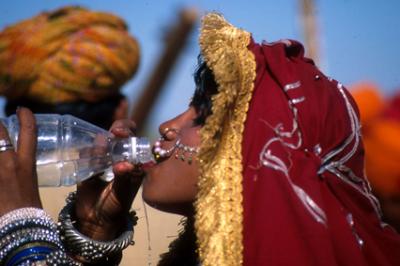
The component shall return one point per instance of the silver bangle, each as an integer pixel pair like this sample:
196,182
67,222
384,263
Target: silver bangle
89,249
28,235
27,226
60,258
24,214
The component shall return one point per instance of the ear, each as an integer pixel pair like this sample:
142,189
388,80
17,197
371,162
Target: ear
121,111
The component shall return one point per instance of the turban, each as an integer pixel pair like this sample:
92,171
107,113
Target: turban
381,130
70,54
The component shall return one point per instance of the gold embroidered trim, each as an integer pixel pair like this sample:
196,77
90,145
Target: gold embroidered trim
219,210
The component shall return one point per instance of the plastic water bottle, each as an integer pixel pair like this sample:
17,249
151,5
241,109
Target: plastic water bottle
70,150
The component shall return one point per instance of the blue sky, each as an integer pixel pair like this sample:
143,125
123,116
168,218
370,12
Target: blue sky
358,38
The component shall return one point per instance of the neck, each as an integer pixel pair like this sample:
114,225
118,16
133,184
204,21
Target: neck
183,250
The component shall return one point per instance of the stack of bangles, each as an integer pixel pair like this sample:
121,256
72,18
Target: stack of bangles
29,236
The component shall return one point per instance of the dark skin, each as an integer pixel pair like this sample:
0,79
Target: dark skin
171,184
18,179
101,207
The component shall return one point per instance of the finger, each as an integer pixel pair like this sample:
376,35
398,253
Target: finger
4,138
121,112
126,183
127,173
27,138
123,128
126,170
123,168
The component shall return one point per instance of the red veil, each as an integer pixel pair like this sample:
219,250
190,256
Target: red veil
305,197
282,162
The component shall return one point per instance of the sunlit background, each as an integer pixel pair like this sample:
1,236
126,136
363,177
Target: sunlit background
358,39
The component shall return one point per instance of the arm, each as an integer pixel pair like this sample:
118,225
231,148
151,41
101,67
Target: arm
100,210
27,233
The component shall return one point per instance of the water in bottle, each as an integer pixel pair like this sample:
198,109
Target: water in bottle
70,150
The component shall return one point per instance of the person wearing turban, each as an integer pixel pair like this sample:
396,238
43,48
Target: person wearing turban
71,60
68,61
267,163
380,119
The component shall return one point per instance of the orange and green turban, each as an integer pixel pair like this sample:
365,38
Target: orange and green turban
70,54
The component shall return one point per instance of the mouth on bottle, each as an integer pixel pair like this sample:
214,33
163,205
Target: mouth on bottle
148,165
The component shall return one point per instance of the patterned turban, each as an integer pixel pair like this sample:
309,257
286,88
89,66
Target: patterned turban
67,55
381,130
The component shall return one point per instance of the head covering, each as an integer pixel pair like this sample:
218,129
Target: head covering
381,131
67,55
281,162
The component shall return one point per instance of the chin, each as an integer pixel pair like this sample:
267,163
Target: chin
154,200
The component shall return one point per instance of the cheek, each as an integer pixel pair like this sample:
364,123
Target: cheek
171,182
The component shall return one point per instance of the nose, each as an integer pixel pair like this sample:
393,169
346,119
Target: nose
165,146
168,130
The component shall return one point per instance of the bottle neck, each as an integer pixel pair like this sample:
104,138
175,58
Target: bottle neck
133,149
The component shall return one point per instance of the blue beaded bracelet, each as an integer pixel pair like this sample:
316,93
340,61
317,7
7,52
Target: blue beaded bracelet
32,252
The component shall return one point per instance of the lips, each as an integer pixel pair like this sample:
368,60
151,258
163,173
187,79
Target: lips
148,165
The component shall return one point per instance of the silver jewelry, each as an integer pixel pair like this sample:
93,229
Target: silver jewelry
89,249
29,234
23,237
23,214
169,129
27,226
182,150
25,218
160,152
5,145
60,258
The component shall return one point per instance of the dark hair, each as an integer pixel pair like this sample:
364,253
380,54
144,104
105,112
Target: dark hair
206,87
99,113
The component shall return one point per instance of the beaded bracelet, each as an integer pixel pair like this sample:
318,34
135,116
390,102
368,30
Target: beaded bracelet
27,236
23,214
56,258
34,251
89,249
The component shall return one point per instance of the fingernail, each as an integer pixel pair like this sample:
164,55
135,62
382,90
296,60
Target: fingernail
18,109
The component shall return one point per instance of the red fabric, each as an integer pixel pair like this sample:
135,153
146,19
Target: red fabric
278,230
393,109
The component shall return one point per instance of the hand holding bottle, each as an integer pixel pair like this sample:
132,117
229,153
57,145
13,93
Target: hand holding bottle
70,150
18,178
101,207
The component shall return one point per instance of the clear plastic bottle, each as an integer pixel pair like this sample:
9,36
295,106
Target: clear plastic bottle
70,150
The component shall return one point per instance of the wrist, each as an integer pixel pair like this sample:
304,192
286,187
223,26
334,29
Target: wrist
99,230
87,249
